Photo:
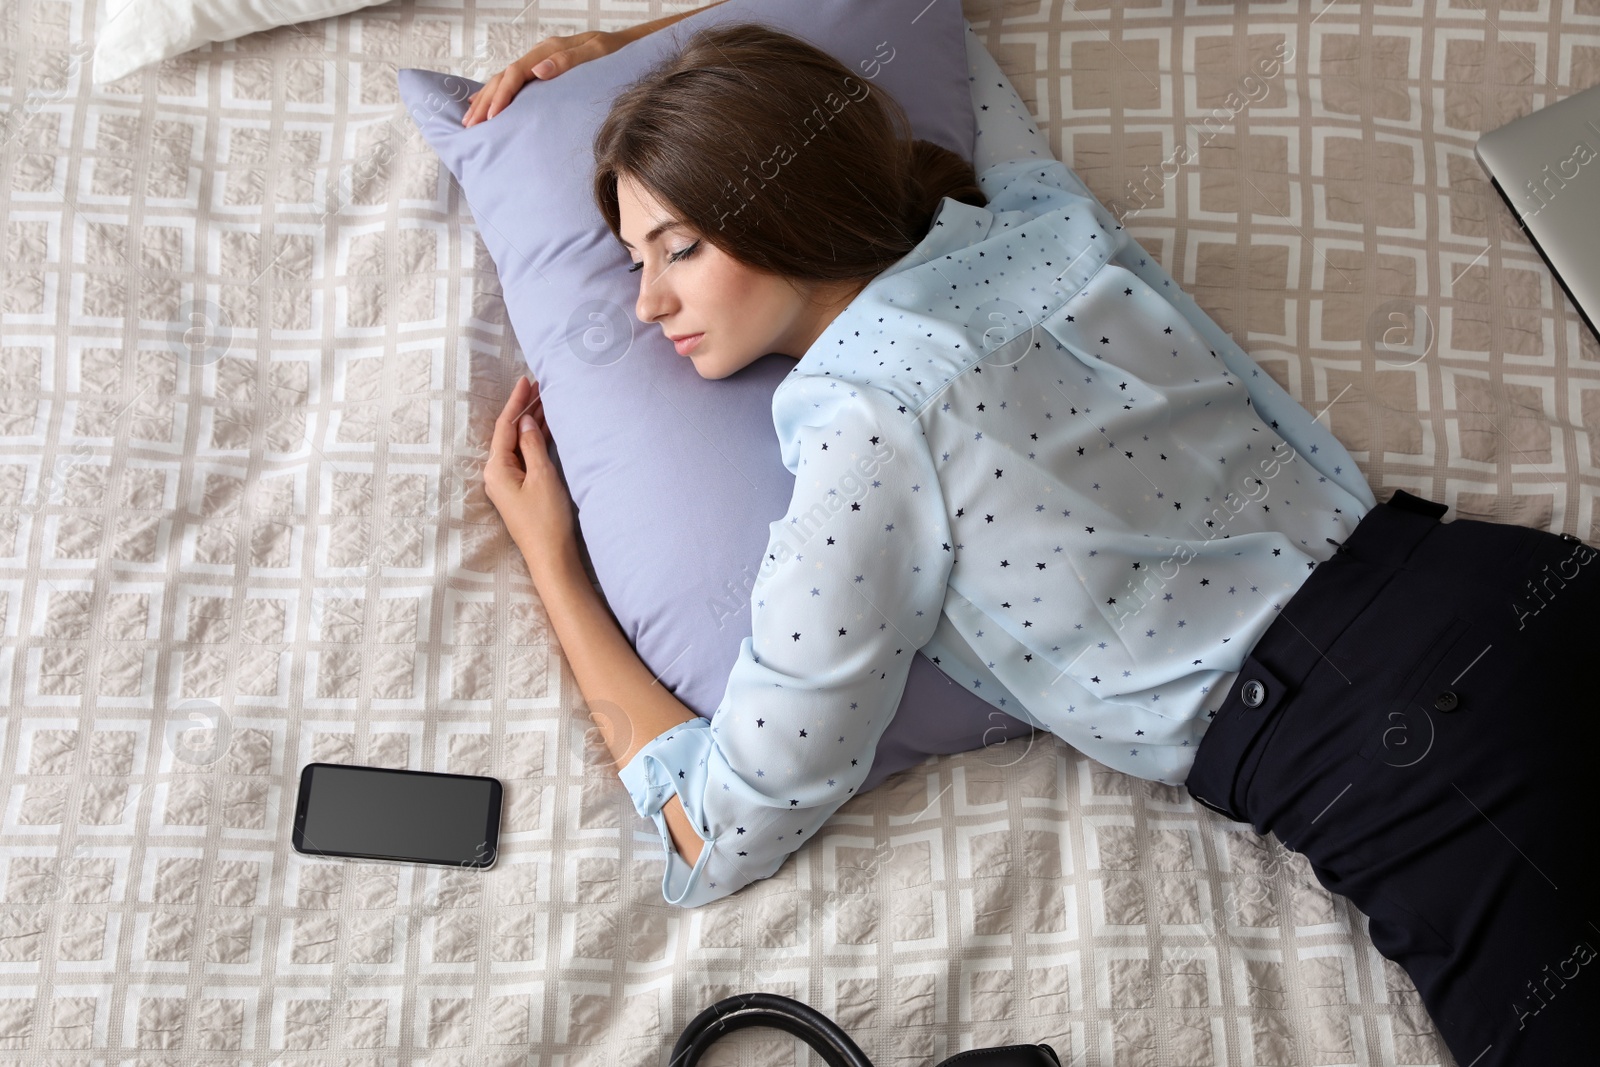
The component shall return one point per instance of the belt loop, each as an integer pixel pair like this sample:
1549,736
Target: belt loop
1408,502
1386,535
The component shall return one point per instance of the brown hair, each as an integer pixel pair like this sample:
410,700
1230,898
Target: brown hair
774,152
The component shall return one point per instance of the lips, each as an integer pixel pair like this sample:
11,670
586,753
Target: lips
686,343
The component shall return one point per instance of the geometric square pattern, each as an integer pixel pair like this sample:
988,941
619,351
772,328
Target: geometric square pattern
251,350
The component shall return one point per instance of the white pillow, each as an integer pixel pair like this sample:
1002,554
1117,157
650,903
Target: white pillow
135,33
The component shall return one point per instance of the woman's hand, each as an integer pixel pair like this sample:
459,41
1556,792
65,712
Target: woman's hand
523,484
550,57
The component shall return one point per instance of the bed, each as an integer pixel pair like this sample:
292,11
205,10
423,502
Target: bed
250,352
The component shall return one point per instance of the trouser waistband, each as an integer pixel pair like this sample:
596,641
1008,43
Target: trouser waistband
1320,610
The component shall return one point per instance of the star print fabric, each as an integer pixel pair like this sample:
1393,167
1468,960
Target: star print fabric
1025,451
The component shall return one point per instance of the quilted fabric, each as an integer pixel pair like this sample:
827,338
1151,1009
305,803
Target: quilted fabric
270,515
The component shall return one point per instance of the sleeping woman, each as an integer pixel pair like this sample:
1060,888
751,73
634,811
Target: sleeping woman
1019,448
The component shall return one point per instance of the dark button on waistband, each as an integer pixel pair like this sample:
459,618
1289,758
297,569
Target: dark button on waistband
1446,701
1253,693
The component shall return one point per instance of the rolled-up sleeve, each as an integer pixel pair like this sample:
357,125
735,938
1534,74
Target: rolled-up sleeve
851,586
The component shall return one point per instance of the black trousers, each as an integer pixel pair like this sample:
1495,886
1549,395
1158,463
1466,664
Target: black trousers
1422,722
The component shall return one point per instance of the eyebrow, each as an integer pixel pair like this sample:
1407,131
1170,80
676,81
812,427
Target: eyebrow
670,224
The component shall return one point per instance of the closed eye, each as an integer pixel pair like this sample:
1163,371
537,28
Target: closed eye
685,254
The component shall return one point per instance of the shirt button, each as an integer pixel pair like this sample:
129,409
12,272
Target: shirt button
1253,693
1446,701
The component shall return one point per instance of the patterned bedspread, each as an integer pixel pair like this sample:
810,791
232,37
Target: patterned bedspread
250,351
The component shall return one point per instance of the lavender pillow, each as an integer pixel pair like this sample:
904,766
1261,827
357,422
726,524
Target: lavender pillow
677,478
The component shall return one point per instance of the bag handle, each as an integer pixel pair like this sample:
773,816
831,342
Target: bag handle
767,1009
823,1035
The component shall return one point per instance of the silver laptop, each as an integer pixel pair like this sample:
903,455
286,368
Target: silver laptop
1546,166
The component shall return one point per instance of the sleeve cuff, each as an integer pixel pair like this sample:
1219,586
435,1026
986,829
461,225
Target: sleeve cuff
652,775
682,884
674,763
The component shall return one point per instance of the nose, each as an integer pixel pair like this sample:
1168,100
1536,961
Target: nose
655,296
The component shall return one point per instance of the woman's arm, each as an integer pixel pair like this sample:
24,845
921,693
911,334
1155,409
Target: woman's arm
553,56
644,29
523,484
850,588
610,673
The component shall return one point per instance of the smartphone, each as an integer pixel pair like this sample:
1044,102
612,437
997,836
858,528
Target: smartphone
379,813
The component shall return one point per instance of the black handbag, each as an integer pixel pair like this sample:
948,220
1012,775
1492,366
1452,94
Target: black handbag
823,1034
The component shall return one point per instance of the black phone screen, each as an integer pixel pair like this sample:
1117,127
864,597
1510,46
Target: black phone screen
410,816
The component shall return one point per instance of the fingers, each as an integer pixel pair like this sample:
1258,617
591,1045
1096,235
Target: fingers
534,411
504,443
500,89
510,83
593,47
480,102
522,414
563,60
496,93
531,416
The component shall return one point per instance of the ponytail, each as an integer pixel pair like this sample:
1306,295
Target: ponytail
936,173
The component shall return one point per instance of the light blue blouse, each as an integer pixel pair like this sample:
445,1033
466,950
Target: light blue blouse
1023,450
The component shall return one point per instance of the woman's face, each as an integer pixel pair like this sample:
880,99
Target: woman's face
689,286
